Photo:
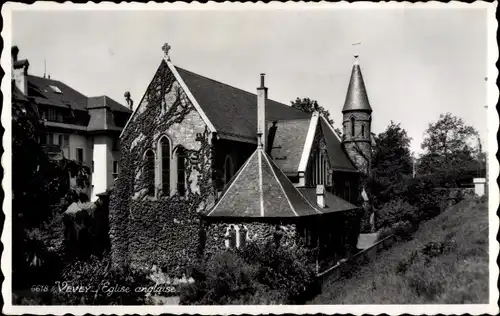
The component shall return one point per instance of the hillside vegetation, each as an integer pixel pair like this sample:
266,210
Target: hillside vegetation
446,262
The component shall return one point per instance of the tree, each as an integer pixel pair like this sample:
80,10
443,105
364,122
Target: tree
309,106
447,146
37,184
391,164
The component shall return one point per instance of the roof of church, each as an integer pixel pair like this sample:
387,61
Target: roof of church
336,154
333,203
287,150
357,98
233,111
261,190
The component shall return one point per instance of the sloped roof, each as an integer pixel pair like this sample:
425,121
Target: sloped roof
105,101
261,190
40,89
100,118
357,98
287,139
45,91
336,153
233,111
333,203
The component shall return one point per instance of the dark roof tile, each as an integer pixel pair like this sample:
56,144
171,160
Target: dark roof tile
233,111
261,190
357,98
336,153
288,139
333,203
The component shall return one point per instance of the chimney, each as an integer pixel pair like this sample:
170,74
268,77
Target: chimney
261,113
20,71
320,195
14,52
129,101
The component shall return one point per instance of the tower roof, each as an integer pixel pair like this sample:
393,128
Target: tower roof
357,98
261,190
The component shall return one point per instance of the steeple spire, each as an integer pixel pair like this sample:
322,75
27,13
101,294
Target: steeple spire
357,98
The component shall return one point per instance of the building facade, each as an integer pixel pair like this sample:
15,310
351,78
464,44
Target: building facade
76,127
185,144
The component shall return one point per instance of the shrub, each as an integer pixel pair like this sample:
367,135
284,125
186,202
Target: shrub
396,211
104,285
403,230
221,279
287,270
384,233
258,274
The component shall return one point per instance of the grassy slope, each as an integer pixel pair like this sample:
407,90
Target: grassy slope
455,272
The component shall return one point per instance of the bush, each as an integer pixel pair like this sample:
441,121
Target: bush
104,285
384,233
404,230
283,269
258,274
396,211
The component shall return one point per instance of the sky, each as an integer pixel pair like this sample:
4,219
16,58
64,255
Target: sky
416,63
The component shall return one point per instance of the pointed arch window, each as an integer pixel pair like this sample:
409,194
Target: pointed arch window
181,171
149,172
352,126
165,165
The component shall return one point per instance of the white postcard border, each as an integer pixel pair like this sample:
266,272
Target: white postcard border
493,123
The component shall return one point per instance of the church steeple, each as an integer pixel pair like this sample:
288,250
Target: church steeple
357,119
357,98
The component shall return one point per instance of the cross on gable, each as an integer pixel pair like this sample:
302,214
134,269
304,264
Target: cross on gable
166,48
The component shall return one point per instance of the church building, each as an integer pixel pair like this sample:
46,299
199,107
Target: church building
203,161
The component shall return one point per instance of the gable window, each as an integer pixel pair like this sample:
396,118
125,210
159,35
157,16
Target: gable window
319,168
352,126
165,165
181,171
149,172
228,169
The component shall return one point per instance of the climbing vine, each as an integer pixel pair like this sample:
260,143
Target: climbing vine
161,230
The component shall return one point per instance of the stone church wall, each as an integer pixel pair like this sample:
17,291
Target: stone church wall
260,232
161,230
358,145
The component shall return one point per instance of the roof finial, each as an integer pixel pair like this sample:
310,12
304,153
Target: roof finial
356,54
166,49
259,140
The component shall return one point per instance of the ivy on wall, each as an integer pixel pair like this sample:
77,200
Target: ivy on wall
161,230
165,230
